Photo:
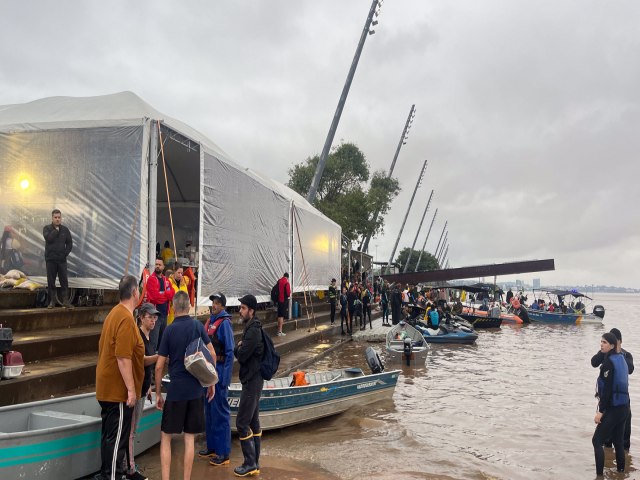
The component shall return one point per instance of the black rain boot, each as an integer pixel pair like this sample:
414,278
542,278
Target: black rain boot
248,467
257,438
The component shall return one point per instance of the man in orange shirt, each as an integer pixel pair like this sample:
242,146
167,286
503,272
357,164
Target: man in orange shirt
119,376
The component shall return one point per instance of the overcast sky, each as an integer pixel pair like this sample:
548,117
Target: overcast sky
528,111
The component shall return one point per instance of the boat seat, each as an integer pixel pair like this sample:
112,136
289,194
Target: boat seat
51,418
397,344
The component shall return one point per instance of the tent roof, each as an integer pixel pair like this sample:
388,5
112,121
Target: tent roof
120,109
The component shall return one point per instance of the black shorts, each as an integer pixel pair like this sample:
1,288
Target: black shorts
183,416
283,308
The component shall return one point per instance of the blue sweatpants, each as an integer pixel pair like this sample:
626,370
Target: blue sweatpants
218,422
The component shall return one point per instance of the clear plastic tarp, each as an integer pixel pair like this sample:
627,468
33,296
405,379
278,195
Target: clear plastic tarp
95,177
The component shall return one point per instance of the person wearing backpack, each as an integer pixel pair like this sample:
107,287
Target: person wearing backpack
284,292
183,409
217,413
249,353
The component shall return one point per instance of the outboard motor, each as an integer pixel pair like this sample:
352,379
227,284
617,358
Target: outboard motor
598,311
373,360
408,350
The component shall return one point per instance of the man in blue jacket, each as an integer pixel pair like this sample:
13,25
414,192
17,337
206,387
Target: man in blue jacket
217,412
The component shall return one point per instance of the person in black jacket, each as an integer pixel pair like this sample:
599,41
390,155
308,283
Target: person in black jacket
57,247
613,403
596,361
249,354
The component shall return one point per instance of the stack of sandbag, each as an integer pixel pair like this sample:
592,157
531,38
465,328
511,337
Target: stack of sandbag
12,278
17,279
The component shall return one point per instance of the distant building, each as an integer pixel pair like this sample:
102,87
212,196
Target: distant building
536,283
519,284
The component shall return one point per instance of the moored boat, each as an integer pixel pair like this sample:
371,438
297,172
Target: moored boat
575,313
405,343
328,393
447,333
59,439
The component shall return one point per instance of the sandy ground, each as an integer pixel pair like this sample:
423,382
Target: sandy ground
271,468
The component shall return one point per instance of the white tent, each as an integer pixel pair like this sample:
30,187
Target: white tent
100,161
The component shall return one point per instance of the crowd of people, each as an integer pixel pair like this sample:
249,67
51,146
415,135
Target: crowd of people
132,361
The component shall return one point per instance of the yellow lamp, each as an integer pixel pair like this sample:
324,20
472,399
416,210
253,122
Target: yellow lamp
24,184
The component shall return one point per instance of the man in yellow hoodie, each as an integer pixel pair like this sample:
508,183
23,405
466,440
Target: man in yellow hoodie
179,283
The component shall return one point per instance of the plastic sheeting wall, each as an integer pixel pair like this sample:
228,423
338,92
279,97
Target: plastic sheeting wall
245,233
321,249
95,177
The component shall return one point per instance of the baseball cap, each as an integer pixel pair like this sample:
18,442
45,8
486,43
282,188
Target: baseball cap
219,297
148,308
250,301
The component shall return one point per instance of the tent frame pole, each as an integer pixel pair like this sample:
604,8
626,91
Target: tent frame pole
153,196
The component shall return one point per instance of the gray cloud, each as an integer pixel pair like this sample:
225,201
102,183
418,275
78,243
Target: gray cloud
527,111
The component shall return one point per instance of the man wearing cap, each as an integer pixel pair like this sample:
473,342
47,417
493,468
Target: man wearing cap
249,353
217,413
596,361
119,377
147,315
333,297
183,409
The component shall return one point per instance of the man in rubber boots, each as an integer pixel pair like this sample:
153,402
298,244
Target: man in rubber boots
218,413
249,353
58,245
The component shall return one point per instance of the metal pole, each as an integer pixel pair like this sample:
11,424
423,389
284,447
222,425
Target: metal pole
444,241
417,233
445,254
311,195
153,195
364,246
438,247
424,245
444,244
406,215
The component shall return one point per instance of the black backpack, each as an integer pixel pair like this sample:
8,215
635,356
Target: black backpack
275,292
270,358
42,298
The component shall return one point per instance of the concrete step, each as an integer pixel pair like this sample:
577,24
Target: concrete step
42,380
34,319
48,344
16,298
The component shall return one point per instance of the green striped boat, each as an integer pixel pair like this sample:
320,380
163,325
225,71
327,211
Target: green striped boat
59,439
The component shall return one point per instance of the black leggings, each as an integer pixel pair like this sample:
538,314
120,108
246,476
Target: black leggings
611,426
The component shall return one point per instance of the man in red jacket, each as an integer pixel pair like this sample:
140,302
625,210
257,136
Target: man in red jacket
284,292
159,293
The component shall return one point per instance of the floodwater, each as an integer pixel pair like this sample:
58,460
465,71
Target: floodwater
517,405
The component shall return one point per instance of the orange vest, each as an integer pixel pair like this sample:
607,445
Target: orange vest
299,379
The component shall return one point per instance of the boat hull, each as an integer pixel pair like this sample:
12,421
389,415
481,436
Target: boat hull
568,318
504,316
285,406
479,321
59,439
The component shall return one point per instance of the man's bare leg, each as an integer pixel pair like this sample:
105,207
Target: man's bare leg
165,455
280,324
189,441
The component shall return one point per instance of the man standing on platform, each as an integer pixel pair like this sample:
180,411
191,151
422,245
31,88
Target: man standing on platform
159,293
57,247
218,413
249,353
333,297
119,377
284,292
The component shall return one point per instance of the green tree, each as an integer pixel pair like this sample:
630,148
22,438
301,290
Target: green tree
348,194
427,262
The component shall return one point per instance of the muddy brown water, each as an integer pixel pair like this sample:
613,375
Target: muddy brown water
517,405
